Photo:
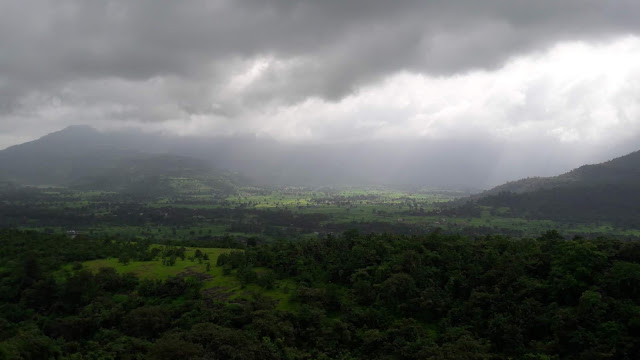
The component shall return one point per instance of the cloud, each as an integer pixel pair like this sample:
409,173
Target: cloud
514,72
329,48
573,92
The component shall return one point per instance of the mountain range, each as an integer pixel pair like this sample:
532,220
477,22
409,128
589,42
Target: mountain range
81,156
76,152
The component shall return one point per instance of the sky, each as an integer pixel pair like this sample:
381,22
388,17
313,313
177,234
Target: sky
552,82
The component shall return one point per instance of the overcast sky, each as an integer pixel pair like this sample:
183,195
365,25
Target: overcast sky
548,74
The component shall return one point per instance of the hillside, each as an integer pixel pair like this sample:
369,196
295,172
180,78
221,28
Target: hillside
82,157
60,157
155,175
602,193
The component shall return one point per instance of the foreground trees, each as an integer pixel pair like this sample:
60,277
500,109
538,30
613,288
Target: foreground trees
356,296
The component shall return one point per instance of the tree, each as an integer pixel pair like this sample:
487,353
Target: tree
174,347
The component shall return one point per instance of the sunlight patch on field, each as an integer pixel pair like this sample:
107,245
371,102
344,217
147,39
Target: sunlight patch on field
229,286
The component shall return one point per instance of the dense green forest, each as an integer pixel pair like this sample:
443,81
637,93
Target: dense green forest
376,296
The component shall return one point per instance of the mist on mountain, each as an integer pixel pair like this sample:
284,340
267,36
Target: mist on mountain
79,152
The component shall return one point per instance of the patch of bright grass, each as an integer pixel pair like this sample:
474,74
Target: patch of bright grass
229,284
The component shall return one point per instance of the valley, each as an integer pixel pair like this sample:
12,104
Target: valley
196,211
319,180
136,255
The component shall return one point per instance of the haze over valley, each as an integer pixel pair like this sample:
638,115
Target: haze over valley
67,155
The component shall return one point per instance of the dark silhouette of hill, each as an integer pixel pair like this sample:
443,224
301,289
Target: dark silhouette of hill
621,170
80,156
608,192
61,158
78,151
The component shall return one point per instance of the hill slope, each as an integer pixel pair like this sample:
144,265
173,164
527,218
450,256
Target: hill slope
60,158
621,170
80,156
607,192
431,163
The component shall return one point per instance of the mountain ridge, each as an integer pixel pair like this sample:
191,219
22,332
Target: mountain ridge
606,192
267,162
80,155
622,169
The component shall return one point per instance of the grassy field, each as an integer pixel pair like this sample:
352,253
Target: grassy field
214,281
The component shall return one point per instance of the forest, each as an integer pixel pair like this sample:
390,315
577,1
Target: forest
352,296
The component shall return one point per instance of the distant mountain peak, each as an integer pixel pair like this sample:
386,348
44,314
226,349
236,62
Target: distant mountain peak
77,129
71,133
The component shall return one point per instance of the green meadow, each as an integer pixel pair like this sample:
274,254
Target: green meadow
217,284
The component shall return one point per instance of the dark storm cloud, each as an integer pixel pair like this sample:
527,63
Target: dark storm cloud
338,45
